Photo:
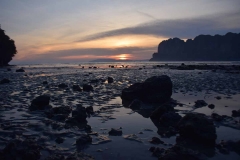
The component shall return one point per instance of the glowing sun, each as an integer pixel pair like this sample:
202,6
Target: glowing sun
122,56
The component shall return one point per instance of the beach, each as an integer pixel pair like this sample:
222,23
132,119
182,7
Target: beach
217,84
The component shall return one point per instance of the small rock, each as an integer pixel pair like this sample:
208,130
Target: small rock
211,106
76,88
62,85
45,82
40,103
156,140
200,103
87,87
20,70
218,97
115,132
110,80
59,140
84,139
4,81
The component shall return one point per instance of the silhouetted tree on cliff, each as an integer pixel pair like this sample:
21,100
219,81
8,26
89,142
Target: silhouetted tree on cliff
7,48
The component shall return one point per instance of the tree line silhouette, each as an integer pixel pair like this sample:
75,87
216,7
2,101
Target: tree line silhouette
7,48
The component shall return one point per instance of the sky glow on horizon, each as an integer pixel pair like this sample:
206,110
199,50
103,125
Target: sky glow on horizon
71,31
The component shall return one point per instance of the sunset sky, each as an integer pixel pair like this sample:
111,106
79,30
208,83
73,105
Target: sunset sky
57,31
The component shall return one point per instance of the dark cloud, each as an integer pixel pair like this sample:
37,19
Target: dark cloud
182,28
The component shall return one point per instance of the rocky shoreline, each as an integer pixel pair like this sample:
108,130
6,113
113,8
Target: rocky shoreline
66,113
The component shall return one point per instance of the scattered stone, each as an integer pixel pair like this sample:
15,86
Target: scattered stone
62,85
198,128
218,97
45,82
156,140
20,70
200,103
76,88
79,115
40,103
115,132
110,80
4,81
132,137
157,89
59,140
87,88
84,139
211,106
236,113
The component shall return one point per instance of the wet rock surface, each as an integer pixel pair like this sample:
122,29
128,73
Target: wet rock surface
198,128
57,124
40,103
157,89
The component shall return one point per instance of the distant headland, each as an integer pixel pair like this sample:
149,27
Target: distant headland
201,48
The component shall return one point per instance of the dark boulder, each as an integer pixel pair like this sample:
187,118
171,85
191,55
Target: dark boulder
136,104
158,112
198,128
79,115
40,103
170,119
20,70
76,88
157,89
110,80
4,81
58,113
87,88
18,149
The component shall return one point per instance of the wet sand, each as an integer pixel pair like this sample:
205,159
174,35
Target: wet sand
219,87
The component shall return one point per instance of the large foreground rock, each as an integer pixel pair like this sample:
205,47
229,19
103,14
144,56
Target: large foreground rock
198,128
19,149
40,103
157,89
